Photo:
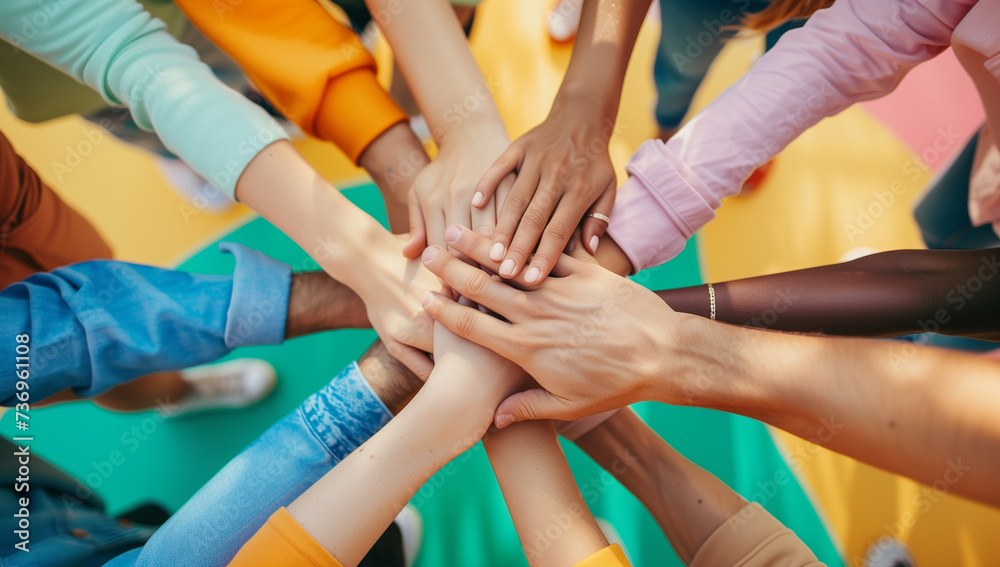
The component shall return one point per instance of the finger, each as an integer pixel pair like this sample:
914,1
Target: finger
594,228
529,405
418,233
471,282
468,322
416,360
529,232
508,162
514,206
484,219
557,234
435,228
459,212
500,197
476,247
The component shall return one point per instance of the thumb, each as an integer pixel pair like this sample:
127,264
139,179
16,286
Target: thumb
536,403
414,247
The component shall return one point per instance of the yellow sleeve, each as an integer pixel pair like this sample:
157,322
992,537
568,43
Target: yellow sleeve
610,556
754,538
282,542
312,68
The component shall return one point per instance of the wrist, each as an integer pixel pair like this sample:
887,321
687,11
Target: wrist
581,100
393,161
317,302
473,128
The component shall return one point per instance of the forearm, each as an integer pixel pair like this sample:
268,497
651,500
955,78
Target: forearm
393,160
540,491
447,416
922,412
687,502
601,52
284,189
893,293
317,302
434,57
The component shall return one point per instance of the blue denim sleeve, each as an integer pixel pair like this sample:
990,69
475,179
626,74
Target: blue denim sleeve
270,473
96,324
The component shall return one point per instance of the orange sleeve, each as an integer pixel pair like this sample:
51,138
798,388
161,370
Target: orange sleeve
312,68
282,542
610,556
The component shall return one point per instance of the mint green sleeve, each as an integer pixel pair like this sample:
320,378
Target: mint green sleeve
126,55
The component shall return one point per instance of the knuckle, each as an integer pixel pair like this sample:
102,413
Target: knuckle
534,220
466,322
517,200
476,283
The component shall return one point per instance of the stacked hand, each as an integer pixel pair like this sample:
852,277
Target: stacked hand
547,328
563,172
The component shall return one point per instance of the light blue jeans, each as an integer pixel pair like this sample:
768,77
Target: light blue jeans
274,470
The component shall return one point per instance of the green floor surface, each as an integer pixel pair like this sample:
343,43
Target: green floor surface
465,519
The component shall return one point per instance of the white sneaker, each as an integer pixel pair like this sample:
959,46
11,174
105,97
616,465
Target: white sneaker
411,529
563,20
234,384
193,188
888,552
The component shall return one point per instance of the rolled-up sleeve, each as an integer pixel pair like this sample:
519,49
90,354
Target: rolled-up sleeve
96,324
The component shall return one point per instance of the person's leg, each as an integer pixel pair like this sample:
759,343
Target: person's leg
282,463
693,33
943,212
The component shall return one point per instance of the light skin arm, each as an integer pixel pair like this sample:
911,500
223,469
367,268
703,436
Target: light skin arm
687,502
540,492
433,55
920,412
562,166
449,414
300,203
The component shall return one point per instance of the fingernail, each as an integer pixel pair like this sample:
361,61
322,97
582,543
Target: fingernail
429,253
507,268
594,241
532,275
427,299
451,234
477,199
496,252
503,420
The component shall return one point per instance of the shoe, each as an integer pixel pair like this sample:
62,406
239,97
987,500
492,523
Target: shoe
756,178
888,552
563,20
193,188
234,384
411,527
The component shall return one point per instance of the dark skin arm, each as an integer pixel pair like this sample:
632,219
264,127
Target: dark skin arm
952,292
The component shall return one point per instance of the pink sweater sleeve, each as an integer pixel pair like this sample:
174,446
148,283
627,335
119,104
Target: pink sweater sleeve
855,50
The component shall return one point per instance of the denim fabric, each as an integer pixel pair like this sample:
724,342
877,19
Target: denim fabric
943,212
97,324
693,33
275,469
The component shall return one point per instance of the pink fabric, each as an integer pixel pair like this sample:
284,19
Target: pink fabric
855,50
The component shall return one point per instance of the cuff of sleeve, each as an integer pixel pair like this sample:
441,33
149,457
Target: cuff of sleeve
345,413
259,306
355,110
283,542
610,556
752,537
657,208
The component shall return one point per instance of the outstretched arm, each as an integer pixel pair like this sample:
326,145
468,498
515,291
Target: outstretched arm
540,492
920,412
953,292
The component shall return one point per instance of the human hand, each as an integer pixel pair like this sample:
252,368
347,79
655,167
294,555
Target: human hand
394,160
563,171
442,193
392,293
594,340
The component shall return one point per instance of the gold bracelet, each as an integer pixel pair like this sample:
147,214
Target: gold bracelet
711,301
